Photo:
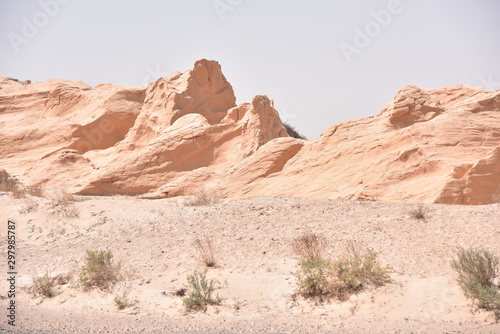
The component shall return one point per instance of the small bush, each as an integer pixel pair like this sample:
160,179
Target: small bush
477,269
121,300
205,251
354,270
419,212
292,132
98,270
309,246
200,295
42,286
313,277
203,198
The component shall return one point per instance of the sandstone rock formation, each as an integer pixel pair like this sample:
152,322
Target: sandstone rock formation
184,133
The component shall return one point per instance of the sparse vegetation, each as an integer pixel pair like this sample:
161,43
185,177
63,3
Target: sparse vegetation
419,212
43,286
203,198
64,203
201,292
292,132
477,269
354,270
338,278
309,246
29,205
98,270
205,251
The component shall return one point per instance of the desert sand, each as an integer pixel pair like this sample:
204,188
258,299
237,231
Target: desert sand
255,265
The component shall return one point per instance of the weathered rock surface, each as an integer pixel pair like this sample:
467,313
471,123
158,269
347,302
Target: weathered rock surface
184,133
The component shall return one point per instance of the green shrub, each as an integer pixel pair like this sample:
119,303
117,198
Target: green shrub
313,277
98,270
356,269
477,269
201,292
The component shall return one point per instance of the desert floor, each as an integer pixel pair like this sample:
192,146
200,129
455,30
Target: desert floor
152,239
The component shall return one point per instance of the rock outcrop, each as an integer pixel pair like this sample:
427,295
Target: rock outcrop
184,133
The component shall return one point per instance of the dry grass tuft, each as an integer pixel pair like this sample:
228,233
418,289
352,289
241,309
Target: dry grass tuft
64,203
205,250
309,246
419,213
29,205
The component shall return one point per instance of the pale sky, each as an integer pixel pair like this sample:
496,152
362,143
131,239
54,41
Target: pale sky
321,61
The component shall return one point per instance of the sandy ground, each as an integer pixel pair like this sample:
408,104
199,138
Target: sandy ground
255,265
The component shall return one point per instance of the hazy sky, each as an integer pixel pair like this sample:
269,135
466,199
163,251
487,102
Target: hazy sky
321,61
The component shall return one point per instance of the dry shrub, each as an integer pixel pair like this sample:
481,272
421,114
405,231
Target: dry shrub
477,269
98,270
419,212
203,198
205,250
309,246
64,203
29,205
43,286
